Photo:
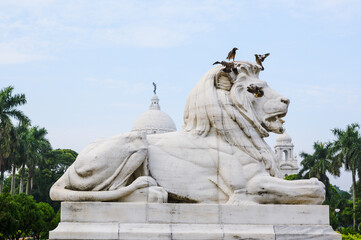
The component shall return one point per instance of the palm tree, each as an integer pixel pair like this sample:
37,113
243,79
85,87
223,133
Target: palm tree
6,130
347,148
22,152
12,159
8,104
13,172
319,163
38,147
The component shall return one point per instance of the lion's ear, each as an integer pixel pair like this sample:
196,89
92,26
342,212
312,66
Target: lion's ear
223,81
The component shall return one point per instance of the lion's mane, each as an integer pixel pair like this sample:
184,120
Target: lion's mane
221,104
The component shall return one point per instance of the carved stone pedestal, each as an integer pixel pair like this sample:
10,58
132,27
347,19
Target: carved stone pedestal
100,220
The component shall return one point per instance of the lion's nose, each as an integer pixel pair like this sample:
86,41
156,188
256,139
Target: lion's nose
285,101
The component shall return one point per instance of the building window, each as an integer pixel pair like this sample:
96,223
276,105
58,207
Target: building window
285,155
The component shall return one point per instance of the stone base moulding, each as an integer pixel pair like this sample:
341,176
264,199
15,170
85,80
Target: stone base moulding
101,220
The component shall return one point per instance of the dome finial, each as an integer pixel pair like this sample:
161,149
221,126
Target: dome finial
155,88
154,102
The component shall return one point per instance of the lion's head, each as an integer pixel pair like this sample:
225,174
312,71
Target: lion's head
239,107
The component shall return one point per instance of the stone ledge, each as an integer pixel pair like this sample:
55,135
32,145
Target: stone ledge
82,231
98,220
194,213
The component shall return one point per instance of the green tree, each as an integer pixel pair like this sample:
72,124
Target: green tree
22,151
8,110
346,215
29,214
347,150
319,163
42,228
21,216
8,182
46,174
38,147
9,216
8,142
13,159
13,172
55,164
292,177
340,200
55,222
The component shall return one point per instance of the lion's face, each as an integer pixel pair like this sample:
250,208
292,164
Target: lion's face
269,106
234,104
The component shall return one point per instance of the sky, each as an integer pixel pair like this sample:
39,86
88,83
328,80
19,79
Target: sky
87,67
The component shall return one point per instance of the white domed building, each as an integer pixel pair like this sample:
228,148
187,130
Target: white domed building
154,121
284,152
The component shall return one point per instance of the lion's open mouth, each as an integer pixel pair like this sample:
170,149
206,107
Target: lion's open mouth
274,122
276,117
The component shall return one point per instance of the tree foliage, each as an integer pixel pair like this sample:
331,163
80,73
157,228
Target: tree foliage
8,109
9,216
39,146
292,177
347,151
55,164
21,216
319,164
29,214
328,158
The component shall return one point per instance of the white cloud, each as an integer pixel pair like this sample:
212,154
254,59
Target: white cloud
325,10
141,36
21,50
32,29
51,26
11,58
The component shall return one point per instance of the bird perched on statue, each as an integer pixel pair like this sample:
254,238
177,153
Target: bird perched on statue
255,90
261,58
232,54
228,66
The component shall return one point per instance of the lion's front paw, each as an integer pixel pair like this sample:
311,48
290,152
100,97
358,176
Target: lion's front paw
318,184
143,182
157,194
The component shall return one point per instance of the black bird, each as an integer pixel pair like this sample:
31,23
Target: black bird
261,58
256,91
228,66
232,54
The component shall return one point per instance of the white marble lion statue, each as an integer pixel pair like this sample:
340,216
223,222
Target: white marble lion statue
219,156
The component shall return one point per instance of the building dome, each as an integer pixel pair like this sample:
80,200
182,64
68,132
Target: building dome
283,138
154,120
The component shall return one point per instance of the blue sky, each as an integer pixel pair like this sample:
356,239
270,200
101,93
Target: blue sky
87,67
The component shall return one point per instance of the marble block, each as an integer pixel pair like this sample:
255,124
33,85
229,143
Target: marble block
99,220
